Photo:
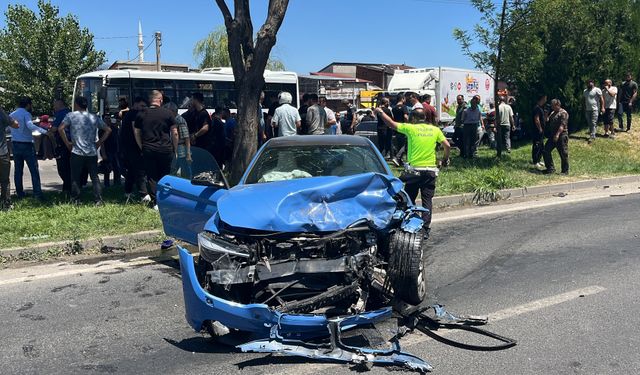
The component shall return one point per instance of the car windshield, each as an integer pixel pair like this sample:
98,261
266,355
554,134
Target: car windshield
291,162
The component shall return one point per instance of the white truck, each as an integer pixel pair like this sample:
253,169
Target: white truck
444,85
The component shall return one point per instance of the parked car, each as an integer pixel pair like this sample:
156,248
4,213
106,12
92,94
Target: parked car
317,229
369,130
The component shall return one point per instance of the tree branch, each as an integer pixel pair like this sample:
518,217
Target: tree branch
226,13
266,37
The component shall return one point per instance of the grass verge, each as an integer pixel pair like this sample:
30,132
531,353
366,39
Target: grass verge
33,222
605,157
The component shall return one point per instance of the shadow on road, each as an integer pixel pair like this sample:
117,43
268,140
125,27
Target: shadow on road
272,360
201,345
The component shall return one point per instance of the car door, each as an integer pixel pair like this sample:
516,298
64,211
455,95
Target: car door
185,202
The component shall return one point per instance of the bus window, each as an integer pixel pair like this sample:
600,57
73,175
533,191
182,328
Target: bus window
271,91
118,88
225,94
90,89
142,87
184,90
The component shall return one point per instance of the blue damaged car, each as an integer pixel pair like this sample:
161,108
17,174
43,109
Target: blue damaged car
317,234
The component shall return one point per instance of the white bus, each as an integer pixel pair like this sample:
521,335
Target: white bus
104,88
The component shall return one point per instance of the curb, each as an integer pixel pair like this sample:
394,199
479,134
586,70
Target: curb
121,243
466,199
126,244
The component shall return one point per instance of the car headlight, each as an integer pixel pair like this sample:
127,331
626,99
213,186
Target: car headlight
214,248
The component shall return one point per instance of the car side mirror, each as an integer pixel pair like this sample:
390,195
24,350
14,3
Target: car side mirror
214,179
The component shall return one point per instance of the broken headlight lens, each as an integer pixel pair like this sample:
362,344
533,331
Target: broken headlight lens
213,248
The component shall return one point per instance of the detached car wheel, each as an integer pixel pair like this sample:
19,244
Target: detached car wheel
406,268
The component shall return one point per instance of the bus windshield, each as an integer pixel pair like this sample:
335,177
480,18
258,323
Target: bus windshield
90,89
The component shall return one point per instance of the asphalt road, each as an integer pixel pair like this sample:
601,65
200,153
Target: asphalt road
562,280
49,179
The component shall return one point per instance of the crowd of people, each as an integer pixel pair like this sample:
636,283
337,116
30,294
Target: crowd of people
599,104
313,117
147,140
142,142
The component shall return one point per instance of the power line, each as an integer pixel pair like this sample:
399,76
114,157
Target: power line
120,37
450,2
141,52
115,37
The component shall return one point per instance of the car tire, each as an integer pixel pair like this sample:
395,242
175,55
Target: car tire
406,267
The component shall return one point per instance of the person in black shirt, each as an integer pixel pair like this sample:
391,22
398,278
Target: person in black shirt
199,122
385,133
349,120
304,126
539,121
109,152
400,114
153,130
272,131
131,155
627,96
216,136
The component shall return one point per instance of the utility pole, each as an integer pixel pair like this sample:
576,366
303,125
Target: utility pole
158,45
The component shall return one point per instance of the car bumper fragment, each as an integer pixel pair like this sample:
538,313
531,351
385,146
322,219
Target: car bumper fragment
397,358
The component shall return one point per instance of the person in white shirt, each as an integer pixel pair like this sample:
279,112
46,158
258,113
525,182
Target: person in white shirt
414,101
610,94
286,117
332,123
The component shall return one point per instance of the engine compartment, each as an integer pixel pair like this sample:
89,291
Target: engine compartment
330,273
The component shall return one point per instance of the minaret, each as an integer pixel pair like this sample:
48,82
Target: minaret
140,43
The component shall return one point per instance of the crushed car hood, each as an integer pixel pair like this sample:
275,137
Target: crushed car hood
317,204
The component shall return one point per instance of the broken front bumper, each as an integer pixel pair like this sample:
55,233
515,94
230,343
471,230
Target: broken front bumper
282,333
259,319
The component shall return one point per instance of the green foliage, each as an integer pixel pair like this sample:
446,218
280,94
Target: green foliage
487,33
485,176
558,45
31,222
42,52
213,51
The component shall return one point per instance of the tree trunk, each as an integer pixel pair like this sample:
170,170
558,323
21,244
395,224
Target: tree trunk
248,61
246,132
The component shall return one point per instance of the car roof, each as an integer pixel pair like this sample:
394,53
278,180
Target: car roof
313,140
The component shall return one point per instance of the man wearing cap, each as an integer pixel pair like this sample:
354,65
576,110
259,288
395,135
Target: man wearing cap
286,117
422,172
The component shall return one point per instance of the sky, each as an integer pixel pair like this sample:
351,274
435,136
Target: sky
313,34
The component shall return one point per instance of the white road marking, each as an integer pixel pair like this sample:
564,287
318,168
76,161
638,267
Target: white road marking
519,310
544,303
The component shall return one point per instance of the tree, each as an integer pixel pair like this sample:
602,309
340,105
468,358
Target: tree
213,51
248,60
556,45
493,33
42,54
